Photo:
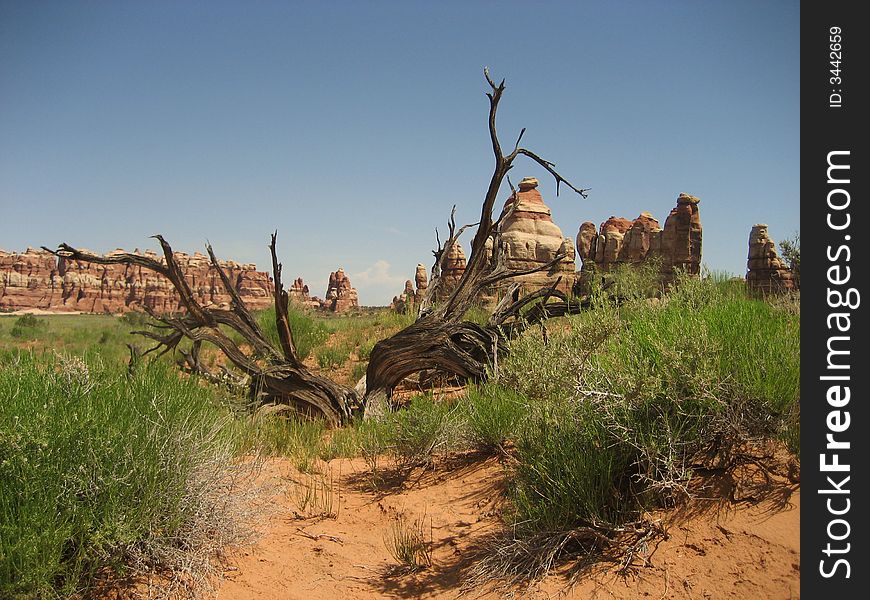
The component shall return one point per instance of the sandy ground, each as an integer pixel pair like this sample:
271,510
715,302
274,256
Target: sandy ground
746,546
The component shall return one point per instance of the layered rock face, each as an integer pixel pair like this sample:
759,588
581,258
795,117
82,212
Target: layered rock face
422,281
619,241
341,296
532,239
766,273
452,271
38,280
681,238
29,280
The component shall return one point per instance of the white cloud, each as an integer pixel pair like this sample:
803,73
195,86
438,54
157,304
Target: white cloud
377,274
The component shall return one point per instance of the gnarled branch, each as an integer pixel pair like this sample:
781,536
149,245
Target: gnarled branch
273,376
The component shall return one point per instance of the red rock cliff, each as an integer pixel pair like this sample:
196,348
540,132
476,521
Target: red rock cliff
36,279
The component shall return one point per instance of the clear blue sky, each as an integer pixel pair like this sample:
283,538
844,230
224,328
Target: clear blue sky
353,127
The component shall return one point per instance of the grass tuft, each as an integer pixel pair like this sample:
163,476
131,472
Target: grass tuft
407,544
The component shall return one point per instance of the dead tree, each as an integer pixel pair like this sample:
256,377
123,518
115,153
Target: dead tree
274,376
439,339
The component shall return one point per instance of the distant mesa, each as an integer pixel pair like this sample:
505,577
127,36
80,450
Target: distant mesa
36,279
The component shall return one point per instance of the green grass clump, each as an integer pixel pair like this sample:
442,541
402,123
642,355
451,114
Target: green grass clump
100,471
494,416
426,427
308,331
407,543
332,357
26,327
300,440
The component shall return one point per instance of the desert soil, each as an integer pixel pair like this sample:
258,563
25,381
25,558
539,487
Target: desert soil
742,543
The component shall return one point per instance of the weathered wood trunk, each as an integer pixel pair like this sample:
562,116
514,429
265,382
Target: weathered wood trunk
440,339
275,376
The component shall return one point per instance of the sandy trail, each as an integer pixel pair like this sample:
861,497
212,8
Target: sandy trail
744,549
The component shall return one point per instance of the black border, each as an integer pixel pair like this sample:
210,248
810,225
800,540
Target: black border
825,129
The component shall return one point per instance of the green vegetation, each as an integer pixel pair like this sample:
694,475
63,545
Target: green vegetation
27,327
98,470
105,336
406,542
308,332
494,415
317,496
332,357
624,401
603,415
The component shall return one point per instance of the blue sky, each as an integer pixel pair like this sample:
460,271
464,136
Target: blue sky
353,127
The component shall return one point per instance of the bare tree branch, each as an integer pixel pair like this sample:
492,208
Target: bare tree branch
284,379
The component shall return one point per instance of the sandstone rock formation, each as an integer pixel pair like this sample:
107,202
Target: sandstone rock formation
422,281
677,246
451,273
532,239
36,279
28,280
340,295
766,273
681,238
405,301
410,298
299,294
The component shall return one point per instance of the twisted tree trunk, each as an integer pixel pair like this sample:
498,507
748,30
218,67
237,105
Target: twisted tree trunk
440,339
274,376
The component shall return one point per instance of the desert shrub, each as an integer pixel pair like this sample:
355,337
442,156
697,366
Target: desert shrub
27,327
423,429
633,281
623,401
103,473
791,253
308,332
29,321
331,357
569,472
20,332
551,369
494,415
